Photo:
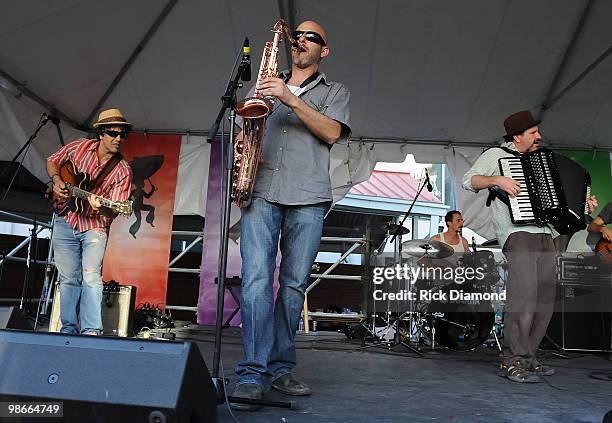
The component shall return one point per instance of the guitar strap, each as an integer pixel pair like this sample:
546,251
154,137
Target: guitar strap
110,165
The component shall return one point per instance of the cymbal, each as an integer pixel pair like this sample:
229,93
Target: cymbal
434,249
397,229
428,262
490,243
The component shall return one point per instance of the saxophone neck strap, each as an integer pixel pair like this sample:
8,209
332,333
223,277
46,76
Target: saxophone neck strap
287,77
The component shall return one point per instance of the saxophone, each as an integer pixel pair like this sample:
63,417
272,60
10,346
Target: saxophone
255,111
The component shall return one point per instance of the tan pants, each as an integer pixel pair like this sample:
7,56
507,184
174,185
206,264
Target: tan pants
530,295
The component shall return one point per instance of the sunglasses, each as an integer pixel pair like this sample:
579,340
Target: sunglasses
114,134
311,36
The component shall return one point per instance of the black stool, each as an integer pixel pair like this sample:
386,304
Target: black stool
233,282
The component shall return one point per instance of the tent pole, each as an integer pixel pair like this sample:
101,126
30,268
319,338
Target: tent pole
21,87
126,67
288,14
549,101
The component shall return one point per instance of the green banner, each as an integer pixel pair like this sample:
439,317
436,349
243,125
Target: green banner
598,165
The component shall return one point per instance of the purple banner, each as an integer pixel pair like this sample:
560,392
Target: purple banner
207,301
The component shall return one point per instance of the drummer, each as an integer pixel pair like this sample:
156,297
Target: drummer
452,236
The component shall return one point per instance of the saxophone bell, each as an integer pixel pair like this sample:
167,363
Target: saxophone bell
254,108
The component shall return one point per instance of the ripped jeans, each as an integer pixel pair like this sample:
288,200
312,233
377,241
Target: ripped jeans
78,258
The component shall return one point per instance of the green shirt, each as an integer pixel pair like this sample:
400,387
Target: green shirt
488,165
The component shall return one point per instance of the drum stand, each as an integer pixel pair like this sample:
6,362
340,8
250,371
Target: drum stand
371,329
397,340
496,338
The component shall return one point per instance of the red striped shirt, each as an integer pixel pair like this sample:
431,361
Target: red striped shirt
116,186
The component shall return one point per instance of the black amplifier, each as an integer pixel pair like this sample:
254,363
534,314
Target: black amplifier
583,307
582,269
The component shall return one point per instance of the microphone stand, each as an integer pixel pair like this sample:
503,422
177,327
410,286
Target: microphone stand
47,287
59,131
45,296
229,102
24,305
425,182
43,121
397,339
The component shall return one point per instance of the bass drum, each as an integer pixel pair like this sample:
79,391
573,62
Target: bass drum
460,324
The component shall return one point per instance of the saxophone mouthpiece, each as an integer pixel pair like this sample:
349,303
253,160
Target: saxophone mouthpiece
296,45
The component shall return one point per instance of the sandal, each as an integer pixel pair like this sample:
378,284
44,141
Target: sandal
521,375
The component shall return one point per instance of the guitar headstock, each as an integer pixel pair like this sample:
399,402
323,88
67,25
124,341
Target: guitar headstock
124,208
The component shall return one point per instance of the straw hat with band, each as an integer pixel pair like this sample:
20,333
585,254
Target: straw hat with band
111,117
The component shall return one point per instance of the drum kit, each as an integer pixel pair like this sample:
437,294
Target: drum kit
440,311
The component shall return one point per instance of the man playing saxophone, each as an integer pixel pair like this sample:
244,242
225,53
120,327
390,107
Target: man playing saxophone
291,194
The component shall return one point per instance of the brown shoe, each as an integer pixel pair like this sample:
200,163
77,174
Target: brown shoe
250,391
287,384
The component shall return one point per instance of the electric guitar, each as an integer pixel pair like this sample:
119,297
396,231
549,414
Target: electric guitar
78,184
604,248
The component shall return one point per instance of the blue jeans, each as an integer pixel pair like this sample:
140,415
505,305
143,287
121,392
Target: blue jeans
78,258
268,329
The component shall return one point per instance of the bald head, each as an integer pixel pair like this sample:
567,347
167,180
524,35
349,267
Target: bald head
313,26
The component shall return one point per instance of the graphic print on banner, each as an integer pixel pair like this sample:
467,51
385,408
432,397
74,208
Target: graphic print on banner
138,250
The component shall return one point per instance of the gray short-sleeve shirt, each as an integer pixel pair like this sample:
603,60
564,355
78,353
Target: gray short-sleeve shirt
295,163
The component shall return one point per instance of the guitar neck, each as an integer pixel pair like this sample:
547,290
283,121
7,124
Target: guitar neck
80,193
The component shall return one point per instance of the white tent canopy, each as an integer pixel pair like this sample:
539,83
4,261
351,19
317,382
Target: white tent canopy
445,70
436,73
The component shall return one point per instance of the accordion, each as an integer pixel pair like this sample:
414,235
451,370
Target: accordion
554,190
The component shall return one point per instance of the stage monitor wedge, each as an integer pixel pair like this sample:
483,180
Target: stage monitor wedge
103,379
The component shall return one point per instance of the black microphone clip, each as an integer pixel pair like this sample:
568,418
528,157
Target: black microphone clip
51,116
246,61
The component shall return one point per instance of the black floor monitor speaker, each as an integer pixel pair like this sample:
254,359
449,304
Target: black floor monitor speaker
100,379
11,318
582,320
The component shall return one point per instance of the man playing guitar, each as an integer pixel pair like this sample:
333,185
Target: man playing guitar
599,226
80,236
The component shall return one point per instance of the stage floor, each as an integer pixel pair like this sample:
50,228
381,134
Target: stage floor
376,385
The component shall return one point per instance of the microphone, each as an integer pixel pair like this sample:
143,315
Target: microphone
474,244
429,187
246,60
